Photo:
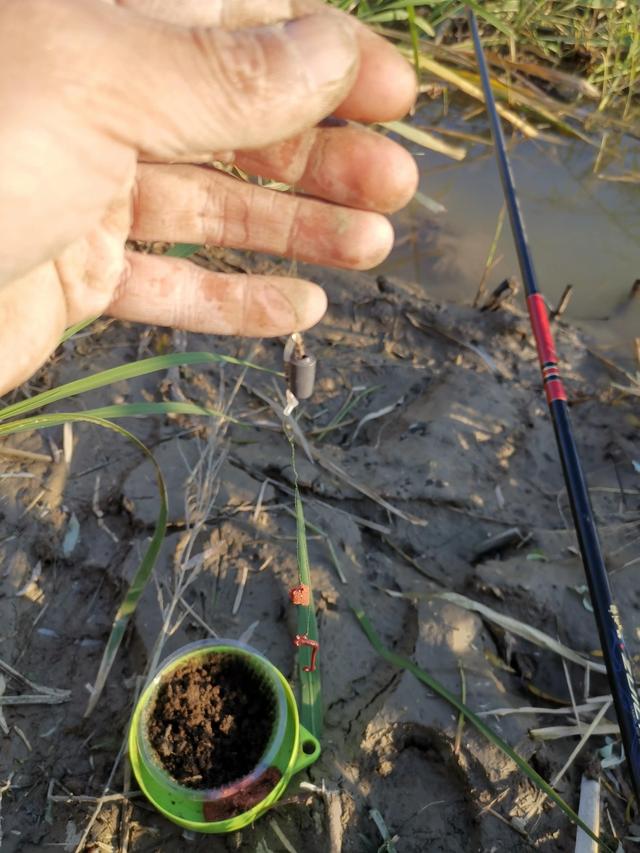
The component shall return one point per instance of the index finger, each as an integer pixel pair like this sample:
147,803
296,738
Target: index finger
385,87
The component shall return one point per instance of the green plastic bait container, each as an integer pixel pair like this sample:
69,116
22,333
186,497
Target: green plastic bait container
290,749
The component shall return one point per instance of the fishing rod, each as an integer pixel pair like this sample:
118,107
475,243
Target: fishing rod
607,616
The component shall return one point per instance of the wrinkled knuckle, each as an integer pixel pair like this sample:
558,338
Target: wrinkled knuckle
210,216
122,282
297,154
320,164
244,284
293,216
239,66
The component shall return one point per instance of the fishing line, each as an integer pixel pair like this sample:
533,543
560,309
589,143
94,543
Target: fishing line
300,368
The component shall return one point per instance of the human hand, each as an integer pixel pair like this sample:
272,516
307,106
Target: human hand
107,109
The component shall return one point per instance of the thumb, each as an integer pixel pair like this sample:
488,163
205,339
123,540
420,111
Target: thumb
207,89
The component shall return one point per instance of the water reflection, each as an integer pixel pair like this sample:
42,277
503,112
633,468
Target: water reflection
583,230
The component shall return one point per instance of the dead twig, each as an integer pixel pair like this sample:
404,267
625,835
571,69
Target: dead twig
331,798
31,685
102,799
3,723
4,787
491,261
200,621
244,574
282,838
500,542
25,455
23,737
99,514
563,303
589,812
594,727
503,293
463,699
34,699
588,707
561,732
78,799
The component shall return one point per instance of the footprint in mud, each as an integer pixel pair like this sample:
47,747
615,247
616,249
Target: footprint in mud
413,782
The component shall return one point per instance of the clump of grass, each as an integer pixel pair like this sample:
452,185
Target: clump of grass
550,56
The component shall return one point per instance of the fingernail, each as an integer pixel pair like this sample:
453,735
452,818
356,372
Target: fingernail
327,46
290,305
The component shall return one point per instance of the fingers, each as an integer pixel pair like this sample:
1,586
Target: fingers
174,292
342,165
222,90
385,87
193,205
338,163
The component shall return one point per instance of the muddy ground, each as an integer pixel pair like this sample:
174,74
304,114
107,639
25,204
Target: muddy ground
460,449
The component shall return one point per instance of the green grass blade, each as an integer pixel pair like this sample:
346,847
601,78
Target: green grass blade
310,682
140,579
415,38
125,371
347,406
400,4
121,410
425,26
77,327
143,573
492,19
481,726
105,413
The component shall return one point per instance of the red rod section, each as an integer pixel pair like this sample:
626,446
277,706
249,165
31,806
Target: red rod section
553,386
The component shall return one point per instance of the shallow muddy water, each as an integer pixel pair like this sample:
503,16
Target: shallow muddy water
583,230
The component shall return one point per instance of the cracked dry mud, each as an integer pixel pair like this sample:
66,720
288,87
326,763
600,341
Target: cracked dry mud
465,453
